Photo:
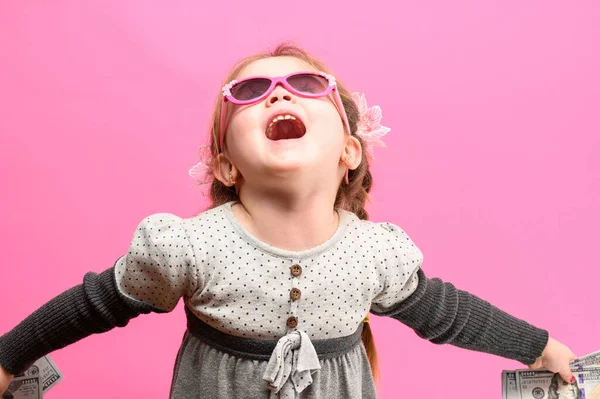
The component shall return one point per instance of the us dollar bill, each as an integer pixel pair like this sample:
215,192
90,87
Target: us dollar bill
592,359
45,368
544,384
24,388
509,385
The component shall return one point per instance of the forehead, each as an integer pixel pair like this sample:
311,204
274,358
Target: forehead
274,66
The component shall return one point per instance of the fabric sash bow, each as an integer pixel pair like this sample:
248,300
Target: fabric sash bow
291,366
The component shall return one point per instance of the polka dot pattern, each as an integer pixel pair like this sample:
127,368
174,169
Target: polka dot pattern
241,286
160,266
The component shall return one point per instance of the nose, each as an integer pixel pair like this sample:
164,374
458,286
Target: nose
280,94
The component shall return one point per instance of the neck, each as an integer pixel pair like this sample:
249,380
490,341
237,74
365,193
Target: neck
293,223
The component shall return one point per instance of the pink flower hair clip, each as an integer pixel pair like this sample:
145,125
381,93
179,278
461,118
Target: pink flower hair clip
202,172
369,126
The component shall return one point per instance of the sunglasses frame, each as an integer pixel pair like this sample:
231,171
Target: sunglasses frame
227,97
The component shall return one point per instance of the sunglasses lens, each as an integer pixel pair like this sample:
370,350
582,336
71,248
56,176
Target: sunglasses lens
308,83
250,89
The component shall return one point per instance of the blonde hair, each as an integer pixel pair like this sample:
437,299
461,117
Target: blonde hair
351,197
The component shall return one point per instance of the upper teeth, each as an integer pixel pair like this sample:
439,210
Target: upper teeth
280,118
275,119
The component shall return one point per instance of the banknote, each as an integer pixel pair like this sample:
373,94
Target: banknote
592,359
544,384
509,385
45,368
24,388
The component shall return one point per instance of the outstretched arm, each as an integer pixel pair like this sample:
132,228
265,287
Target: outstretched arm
442,314
156,272
95,306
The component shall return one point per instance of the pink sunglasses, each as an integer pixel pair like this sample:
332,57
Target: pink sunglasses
255,89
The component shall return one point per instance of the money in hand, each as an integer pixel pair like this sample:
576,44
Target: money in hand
47,371
25,387
542,384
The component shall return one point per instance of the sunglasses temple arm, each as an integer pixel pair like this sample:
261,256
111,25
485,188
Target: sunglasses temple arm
222,124
342,110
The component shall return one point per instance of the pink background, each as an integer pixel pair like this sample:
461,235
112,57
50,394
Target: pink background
493,164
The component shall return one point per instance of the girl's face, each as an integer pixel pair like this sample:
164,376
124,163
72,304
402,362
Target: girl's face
311,149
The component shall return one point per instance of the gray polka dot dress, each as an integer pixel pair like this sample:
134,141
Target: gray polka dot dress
242,290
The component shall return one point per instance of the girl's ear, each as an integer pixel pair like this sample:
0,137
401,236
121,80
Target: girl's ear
225,171
352,154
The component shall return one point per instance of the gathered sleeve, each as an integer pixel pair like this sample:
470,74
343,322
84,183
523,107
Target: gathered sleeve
159,267
398,275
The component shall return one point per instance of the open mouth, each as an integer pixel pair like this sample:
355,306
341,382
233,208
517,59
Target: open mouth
285,126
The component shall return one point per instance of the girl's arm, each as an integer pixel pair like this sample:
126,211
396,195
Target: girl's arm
95,306
157,271
442,314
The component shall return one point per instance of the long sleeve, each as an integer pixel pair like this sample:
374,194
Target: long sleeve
95,306
442,314
157,271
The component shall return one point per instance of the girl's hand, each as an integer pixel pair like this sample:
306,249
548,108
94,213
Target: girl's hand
5,379
556,358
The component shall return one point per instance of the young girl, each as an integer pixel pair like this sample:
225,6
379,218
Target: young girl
279,276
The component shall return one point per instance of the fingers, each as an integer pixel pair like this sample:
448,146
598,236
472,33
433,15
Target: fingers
537,364
567,375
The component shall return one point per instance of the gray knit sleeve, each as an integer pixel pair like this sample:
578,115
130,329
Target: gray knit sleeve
95,306
442,314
